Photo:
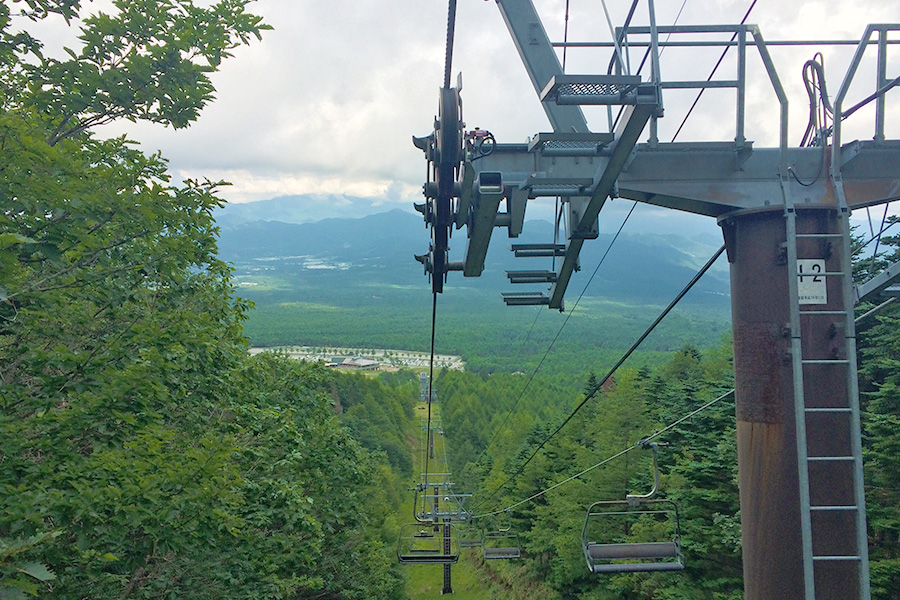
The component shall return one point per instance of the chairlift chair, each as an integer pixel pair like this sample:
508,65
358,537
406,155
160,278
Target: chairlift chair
419,545
633,557
630,556
471,538
501,544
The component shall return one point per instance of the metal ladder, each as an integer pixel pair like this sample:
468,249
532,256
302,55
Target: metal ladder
824,510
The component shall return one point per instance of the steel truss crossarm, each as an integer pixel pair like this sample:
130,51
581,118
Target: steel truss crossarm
540,61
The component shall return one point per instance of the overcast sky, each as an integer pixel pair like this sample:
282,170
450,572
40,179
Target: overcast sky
329,99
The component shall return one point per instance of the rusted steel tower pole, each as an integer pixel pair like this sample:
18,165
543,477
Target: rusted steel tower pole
774,462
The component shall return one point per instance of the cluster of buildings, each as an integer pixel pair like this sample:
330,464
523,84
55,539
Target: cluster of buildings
366,359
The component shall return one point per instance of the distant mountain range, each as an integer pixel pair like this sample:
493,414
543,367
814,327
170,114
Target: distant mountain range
379,248
305,208
311,208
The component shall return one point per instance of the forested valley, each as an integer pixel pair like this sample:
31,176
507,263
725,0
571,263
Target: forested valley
145,454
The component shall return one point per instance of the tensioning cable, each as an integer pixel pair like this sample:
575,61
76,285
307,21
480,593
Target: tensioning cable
715,68
556,229
451,30
556,337
643,440
595,389
448,65
637,444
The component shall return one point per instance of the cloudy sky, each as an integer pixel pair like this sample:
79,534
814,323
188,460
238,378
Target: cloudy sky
327,102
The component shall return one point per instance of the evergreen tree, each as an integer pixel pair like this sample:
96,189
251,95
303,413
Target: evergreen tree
879,360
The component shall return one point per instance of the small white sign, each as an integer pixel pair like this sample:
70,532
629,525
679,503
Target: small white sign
811,281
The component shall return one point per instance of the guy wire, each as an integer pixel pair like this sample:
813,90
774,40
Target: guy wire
621,361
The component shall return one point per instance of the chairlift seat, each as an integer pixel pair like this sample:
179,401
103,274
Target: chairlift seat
428,559
598,553
502,553
633,557
501,544
418,547
639,550
636,556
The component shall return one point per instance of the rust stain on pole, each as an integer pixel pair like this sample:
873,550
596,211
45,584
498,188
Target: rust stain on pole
764,399
766,436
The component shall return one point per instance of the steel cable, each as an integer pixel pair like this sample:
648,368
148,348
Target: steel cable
593,391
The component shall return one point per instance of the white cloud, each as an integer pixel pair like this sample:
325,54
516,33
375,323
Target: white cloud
248,186
328,101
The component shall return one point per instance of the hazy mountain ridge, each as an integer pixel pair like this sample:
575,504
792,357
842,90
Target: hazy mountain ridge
304,208
380,248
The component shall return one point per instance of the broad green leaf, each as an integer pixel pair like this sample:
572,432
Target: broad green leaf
37,570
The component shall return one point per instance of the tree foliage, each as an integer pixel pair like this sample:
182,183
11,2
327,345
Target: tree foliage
143,453
879,359
698,462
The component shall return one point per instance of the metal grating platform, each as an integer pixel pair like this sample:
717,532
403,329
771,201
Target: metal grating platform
557,186
570,144
592,89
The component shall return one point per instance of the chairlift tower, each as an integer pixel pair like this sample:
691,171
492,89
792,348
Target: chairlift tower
784,213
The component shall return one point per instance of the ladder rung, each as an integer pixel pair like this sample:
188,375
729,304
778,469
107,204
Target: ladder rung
825,361
836,558
828,410
525,299
531,276
538,250
824,312
818,235
832,508
825,274
830,458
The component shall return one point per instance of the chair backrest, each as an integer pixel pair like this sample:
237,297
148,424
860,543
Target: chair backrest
421,546
623,555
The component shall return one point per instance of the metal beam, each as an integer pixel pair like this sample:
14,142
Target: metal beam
488,194
540,60
706,178
714,178
780,209
878,284
631,125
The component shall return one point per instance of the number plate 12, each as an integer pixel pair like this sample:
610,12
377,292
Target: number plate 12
811,281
